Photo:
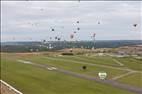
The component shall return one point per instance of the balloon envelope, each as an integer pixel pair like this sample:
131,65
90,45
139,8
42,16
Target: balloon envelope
134,25
78,28
102,75
71,36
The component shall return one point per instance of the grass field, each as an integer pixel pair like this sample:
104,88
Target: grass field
30,79
134,79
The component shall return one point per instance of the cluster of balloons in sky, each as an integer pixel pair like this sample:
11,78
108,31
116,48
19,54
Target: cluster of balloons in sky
72,35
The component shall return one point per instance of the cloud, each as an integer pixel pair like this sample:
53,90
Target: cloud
37,18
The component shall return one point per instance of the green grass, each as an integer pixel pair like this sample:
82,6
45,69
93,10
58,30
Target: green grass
69,64
133,79
131,63
33,80
105,60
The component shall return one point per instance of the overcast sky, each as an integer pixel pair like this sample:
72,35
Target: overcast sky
33,20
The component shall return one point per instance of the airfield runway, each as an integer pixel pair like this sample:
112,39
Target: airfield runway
135,90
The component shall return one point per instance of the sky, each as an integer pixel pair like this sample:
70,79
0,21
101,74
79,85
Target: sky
34,20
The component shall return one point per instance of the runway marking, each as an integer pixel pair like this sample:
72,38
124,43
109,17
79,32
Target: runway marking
23,61
123,75
118,62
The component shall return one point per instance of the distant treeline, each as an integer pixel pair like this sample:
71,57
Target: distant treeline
54,45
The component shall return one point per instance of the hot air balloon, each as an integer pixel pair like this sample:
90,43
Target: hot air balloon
56,37
71,36
98,22
44,41
52,29
77,22
74,32
135,25
78,28
59,39
102,75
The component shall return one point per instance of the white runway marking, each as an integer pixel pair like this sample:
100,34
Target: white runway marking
116,61
23,61
29,62
123,75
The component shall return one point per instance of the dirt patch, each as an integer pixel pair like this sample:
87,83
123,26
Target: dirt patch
6,90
